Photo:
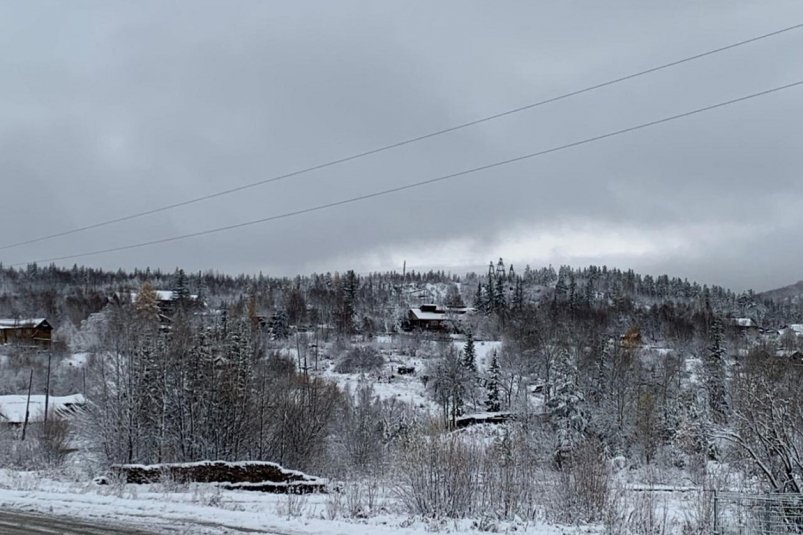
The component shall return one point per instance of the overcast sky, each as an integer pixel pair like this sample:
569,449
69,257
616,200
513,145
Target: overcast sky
108,108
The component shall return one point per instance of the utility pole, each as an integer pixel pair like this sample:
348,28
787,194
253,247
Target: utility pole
316,347
27,406
47,388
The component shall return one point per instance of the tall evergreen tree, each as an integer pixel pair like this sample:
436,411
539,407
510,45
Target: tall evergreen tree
490,291
470,354
493,397
479,303
181,289
518,294
499,297
715,373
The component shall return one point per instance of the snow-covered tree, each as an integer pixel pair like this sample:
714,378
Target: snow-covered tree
493,398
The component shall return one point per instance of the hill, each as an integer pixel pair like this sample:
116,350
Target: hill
792,294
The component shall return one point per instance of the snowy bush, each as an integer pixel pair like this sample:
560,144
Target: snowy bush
360,359
440,477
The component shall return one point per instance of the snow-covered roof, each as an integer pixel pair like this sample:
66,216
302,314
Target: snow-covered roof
428,316
12,408
21,323
164,295
796,328
744,322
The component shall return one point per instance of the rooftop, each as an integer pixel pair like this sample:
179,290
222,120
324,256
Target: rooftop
11,323
12,408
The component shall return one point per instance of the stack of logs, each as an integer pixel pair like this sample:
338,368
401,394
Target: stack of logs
247,475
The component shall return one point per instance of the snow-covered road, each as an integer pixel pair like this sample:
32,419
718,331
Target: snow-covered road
17,523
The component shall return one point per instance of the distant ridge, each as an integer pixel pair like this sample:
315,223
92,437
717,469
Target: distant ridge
791,293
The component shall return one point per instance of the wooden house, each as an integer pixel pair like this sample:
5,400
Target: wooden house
745,326
431,317
168,300
35,331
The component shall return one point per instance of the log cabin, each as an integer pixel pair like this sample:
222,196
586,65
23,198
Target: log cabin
35,331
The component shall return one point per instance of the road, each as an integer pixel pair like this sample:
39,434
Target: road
16,523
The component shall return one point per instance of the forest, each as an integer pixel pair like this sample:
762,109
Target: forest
555,392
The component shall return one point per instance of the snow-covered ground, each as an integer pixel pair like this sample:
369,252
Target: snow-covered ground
205,509
388,383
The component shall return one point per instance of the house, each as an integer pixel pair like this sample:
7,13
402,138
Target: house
745,326
167,300
431,317
26,331
12,408
794,329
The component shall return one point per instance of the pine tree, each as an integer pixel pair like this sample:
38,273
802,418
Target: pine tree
490,291
347,300
589,292
279,325
479,303
715,374
499,298
181,290
560,285
572,291
518,294
470,354
493,398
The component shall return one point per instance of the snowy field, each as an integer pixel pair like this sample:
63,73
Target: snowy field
204,509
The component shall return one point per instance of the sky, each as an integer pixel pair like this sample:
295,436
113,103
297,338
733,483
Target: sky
112,108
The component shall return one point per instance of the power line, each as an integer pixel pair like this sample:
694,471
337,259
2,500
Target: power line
395,145
421,183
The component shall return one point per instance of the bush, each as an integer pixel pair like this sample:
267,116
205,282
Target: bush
584,484
360,359
440,477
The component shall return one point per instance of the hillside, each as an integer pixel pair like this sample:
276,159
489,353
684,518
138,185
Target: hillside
792,293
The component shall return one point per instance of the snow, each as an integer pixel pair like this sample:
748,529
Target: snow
796,328
428,316
484,350
17,323
12,408
163,295
406,388
204,509
76,360
744,322
389,385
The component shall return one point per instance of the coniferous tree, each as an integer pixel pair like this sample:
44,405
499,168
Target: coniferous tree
499,298
490,291
279,325
493,398
715,373
479,303
181,290
347,299
572,291
518,294
560,285
470,354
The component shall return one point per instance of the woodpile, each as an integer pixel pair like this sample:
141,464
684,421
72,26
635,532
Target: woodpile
247,475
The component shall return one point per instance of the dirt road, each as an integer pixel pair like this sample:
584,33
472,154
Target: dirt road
15,523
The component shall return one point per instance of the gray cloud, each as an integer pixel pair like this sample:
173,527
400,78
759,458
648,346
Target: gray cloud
110,108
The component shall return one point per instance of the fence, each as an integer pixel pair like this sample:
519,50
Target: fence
737,513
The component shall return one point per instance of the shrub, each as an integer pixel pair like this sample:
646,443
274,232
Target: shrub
360,359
